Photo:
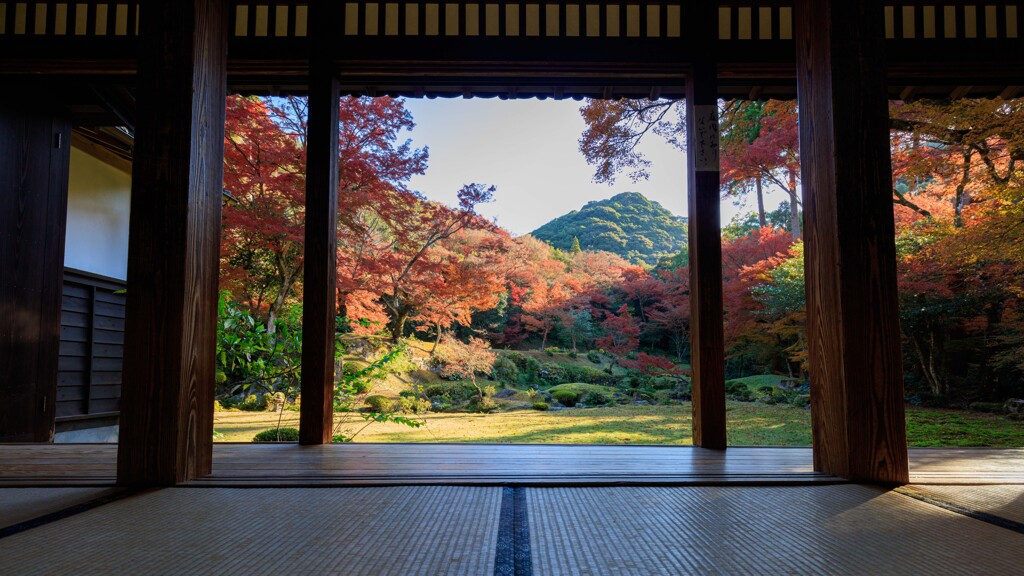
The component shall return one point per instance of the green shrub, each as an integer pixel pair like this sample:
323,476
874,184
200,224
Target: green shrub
277,435
358,385
249,403
587,375
542,406
594,399
274,402
249,359
664,382
926,399
505,370
406,394
552,373
565,397
477,404
452,392
802,401
528,367
555,374
594,356
990,407
411,404
738,392
380,404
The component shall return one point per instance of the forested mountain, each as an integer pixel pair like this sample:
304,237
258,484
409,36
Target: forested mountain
628,224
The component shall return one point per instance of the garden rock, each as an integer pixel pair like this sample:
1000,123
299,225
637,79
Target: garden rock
506,393
1015,406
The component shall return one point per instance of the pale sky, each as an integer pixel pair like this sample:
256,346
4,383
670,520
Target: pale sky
528,149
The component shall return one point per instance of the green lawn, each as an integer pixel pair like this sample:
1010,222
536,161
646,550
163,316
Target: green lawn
755,382
749,424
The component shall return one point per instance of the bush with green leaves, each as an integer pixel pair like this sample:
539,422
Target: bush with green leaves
412,404
361,378
277,435
478,404
594,356
452,392
990,407
250,360
529,368
541,406
505,370
555,374
738,392
594,399
565,397
380,404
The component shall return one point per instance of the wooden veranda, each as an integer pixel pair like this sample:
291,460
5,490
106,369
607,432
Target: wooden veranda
288,465
163,68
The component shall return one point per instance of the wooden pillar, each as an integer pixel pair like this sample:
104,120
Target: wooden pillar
705,252
166,430
319,306
852,310
35,144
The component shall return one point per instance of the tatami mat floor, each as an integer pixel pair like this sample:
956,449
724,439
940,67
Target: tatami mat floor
22,504
434,530
1002,501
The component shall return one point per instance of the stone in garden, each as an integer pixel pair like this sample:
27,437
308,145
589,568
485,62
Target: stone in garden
1015,405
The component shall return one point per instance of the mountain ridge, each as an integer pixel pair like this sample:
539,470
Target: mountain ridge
628,224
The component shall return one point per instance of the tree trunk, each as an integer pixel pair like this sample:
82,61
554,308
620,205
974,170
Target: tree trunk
288,278
795,225
761,218
926,352
398,326
963,196
437,337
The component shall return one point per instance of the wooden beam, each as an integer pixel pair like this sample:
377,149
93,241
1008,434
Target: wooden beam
319,307
850,256
1010,92
907,94
35,144
705,253
174,238
959,92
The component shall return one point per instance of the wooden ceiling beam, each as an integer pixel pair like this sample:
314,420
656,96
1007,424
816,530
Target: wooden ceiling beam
1011,92
959,92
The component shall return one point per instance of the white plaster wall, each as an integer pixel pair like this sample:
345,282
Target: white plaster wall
98,208
87,435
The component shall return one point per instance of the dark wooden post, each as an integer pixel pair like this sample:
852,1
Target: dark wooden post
705,252
852,311
316,416
166,430
35,144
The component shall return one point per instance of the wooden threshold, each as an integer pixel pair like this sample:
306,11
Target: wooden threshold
291,465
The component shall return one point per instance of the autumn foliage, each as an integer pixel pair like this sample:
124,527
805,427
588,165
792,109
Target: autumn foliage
413,267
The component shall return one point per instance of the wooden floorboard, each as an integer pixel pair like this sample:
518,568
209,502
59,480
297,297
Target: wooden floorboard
251,465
